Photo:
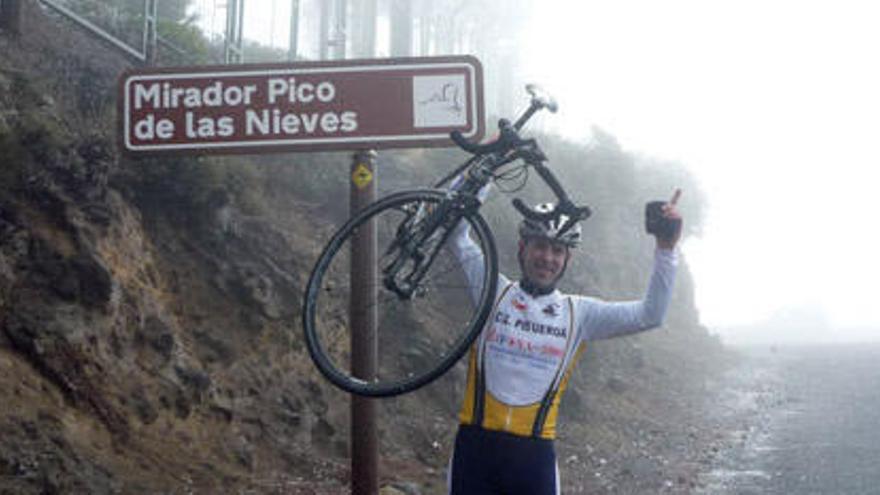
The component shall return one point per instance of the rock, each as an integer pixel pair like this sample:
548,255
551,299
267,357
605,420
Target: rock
83,277
261,291
639,468
291,413
46,101
616,385
144,409
322,432
402,488
7,119
211,349
96,284
98,213
244,454
182,405
195,380
5,85
158,335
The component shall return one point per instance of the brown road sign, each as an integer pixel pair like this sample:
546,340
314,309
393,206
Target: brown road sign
331,105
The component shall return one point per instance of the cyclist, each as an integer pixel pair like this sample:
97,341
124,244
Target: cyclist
521,362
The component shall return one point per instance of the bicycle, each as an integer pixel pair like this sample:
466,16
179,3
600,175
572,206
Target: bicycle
416,278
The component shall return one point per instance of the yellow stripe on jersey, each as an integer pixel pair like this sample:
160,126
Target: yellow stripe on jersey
549,429
466,415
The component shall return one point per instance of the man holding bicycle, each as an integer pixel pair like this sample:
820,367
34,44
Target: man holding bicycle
520,364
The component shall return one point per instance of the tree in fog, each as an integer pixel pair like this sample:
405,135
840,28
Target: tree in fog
489,30
342,25
401,16
362,28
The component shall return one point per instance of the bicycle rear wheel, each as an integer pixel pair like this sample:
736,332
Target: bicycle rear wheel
419,337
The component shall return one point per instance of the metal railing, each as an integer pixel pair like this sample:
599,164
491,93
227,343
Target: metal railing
146,54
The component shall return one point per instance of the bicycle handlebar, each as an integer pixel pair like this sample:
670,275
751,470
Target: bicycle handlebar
509,139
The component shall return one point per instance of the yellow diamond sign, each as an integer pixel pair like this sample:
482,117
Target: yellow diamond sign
361,176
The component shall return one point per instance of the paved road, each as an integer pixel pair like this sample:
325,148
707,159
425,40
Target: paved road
817,431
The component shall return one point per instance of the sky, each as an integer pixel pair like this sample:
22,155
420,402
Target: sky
773,105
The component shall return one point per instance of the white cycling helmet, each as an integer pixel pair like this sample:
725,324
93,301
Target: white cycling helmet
550,229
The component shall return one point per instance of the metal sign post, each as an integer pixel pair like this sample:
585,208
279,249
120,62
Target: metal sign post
364,352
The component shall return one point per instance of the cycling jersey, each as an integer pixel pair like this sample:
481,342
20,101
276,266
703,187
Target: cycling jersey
521,362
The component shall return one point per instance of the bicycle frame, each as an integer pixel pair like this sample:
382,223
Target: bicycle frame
420,226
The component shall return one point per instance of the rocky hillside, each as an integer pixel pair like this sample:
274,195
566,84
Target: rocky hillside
149,309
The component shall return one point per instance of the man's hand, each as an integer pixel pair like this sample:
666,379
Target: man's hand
671,217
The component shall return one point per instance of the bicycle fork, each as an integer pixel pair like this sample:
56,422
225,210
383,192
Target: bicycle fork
410,242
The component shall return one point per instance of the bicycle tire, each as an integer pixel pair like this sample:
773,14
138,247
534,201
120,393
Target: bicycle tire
322,314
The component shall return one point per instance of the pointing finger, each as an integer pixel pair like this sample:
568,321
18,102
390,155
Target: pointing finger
675,197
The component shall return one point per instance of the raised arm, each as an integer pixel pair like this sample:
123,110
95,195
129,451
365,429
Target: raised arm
602,320
469,255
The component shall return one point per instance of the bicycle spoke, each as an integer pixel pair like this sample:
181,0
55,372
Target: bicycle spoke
447,269
433,281
425,323
382,297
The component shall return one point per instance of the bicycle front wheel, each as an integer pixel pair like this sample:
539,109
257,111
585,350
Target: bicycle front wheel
420,333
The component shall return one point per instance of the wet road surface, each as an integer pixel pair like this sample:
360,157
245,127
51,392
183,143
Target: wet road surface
814,427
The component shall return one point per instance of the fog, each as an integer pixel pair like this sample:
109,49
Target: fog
806,324
772,106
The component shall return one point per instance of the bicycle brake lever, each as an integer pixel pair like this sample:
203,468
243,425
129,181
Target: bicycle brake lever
531,214
574,213
579,212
